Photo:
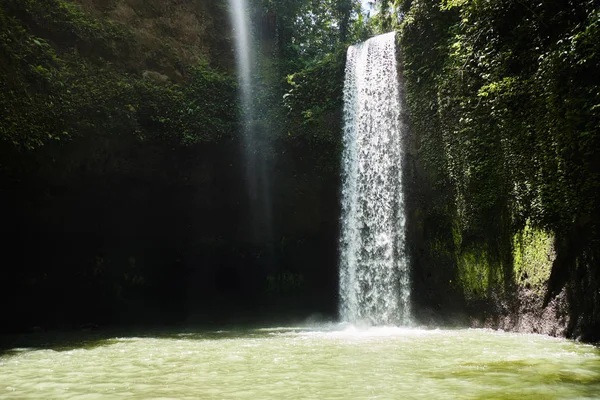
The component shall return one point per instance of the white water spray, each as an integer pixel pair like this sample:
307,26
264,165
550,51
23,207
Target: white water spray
374,273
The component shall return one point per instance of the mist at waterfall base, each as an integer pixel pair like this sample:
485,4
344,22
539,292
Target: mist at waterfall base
374,276
255,165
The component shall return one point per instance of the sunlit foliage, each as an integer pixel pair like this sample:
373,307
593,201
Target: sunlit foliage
57,81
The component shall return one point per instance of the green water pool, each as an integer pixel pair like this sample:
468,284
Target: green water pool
327,362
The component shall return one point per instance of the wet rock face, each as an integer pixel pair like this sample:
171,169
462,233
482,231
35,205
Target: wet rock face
526,313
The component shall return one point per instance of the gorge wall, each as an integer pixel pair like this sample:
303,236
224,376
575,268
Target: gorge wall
122,186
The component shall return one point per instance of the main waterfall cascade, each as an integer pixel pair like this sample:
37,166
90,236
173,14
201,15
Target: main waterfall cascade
374,272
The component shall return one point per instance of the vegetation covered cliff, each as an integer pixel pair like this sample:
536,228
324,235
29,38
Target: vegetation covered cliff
503,101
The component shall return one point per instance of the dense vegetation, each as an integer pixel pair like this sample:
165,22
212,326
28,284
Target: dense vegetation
52,90
504,99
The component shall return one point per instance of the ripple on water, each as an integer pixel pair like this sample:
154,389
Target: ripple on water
320,363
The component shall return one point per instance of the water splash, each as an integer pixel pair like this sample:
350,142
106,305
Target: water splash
374,272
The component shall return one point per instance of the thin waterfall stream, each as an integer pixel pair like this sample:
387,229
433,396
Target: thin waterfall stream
374,274
256,169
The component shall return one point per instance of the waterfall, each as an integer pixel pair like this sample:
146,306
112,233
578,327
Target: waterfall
374,271
255,164
243,40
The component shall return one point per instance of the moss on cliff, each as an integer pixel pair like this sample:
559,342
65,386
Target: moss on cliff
533,256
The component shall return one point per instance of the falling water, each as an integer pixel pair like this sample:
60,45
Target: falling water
374,276
241,31
255,164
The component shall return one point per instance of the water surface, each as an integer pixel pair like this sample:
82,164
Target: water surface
296,363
